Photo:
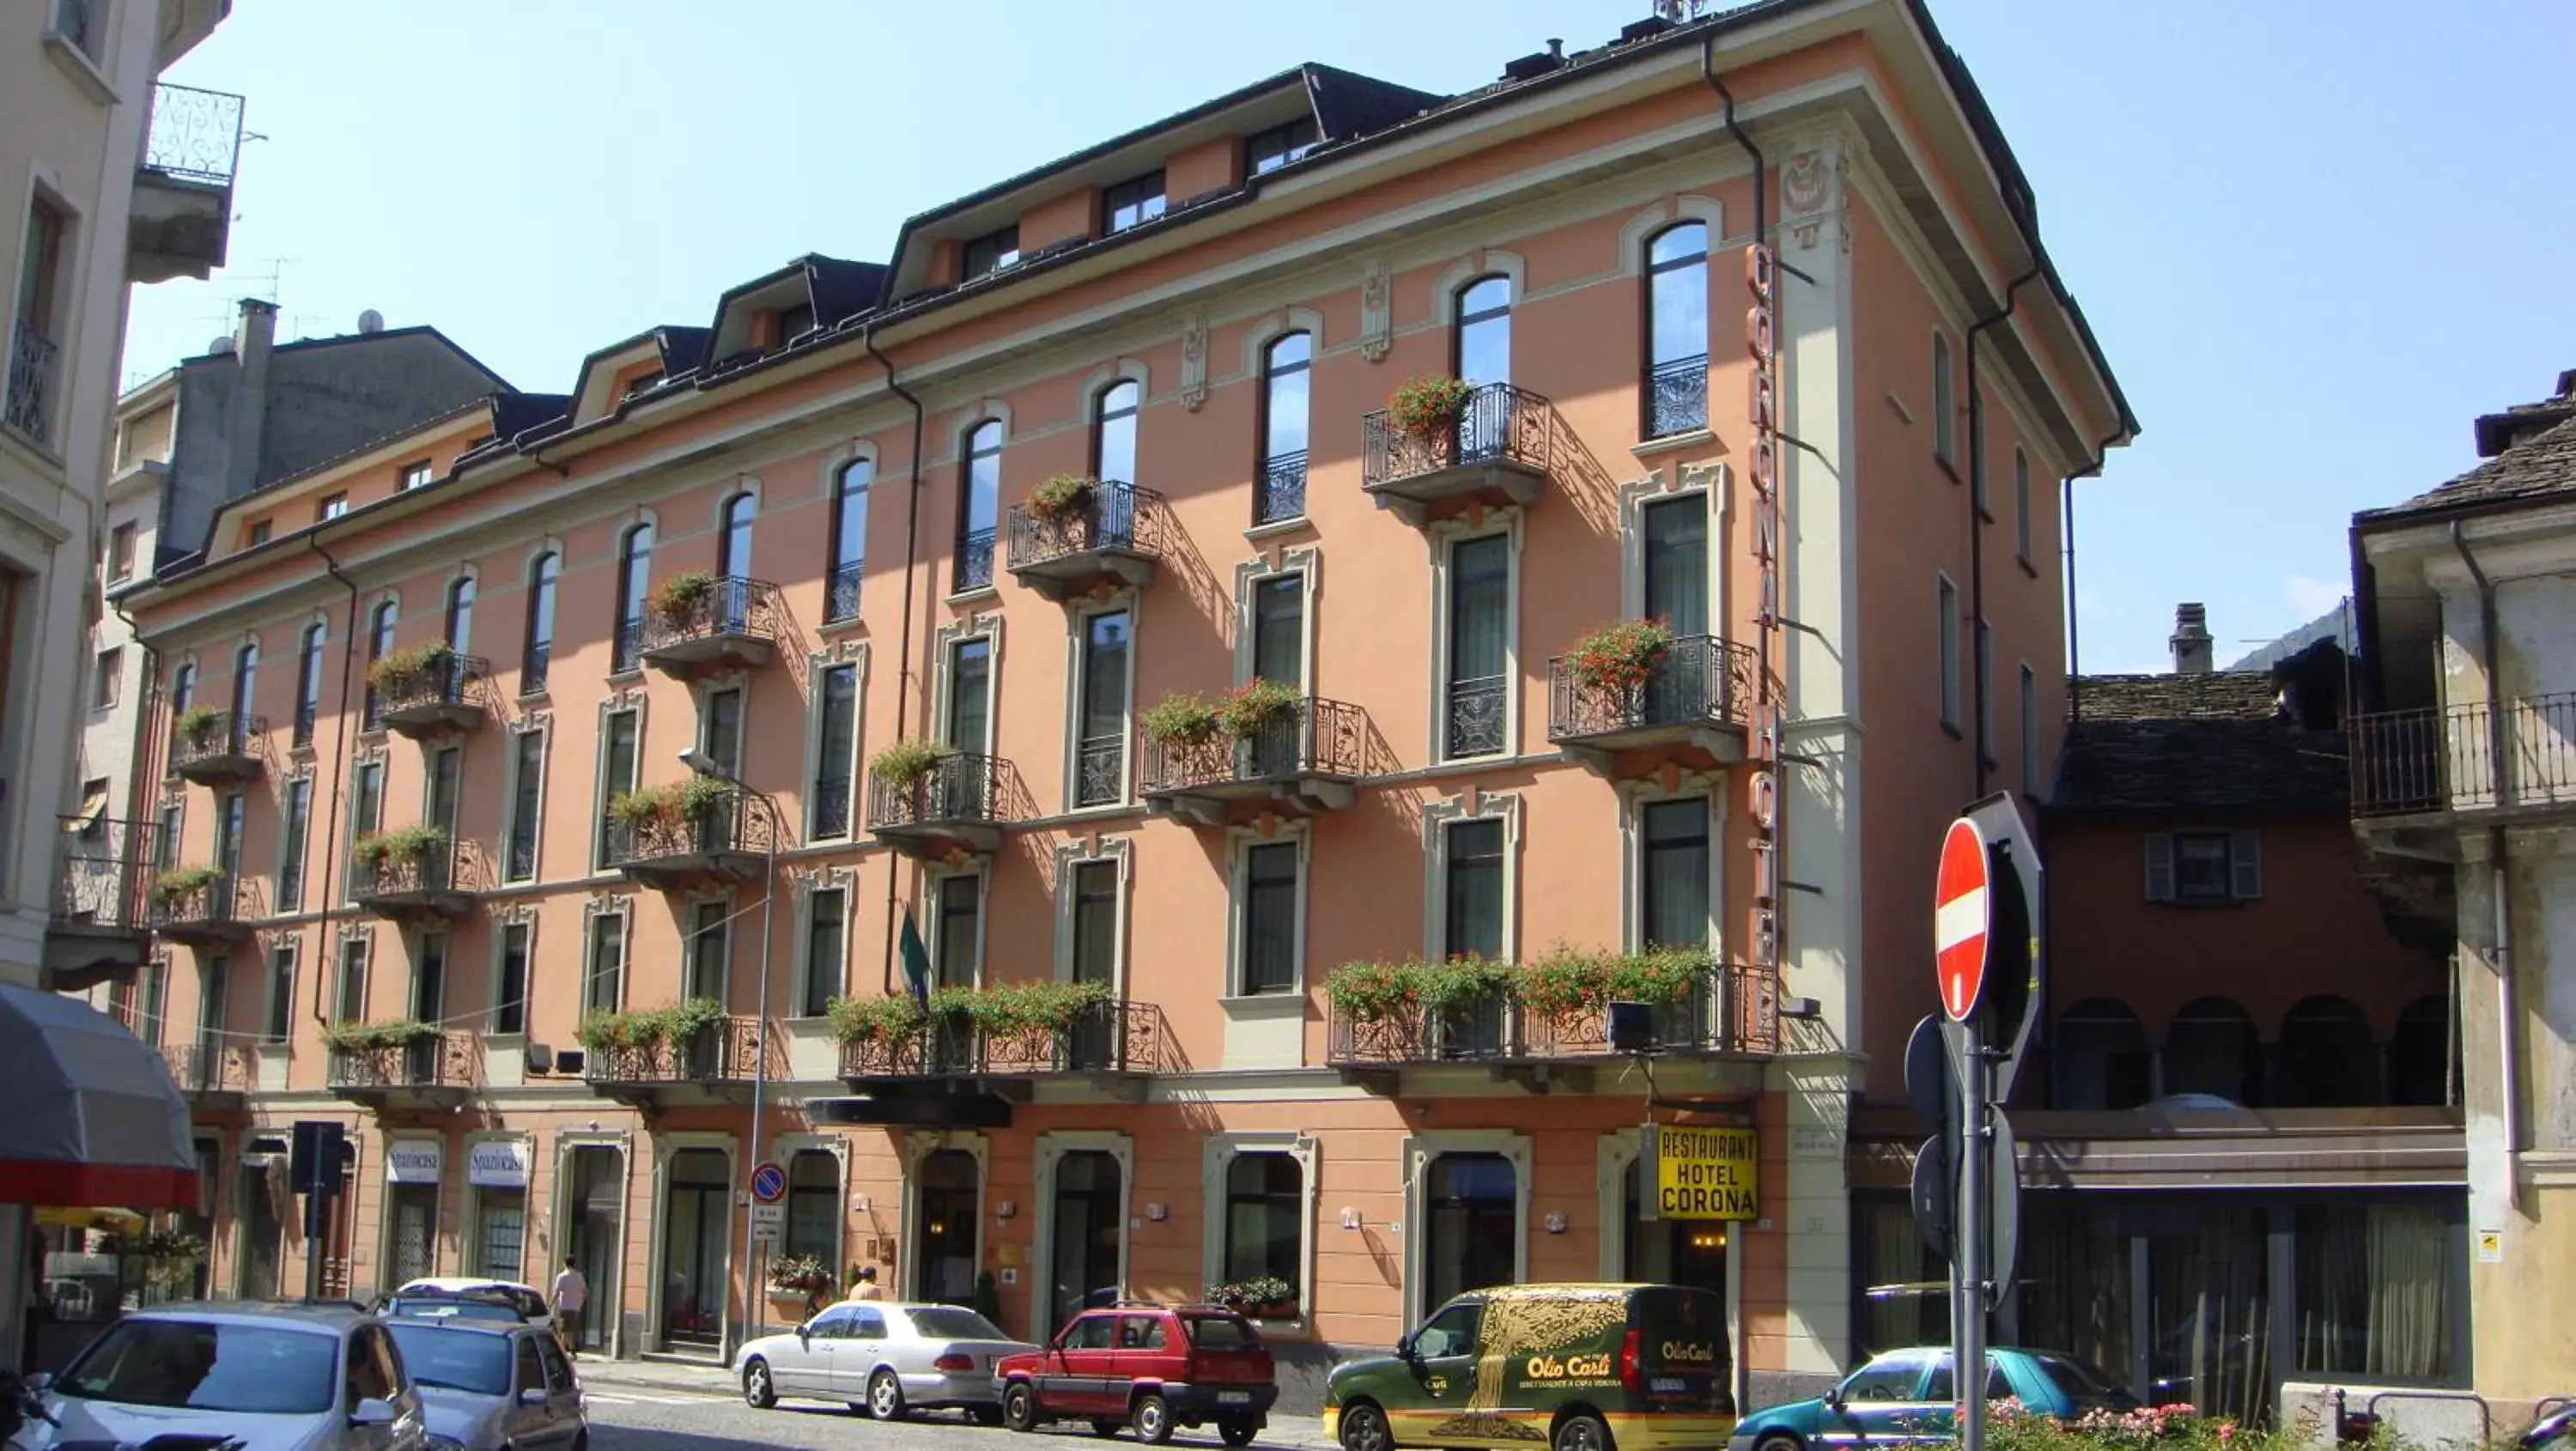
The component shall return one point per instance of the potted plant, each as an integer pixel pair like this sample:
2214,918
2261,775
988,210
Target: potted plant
679,599
1620,656
1428,407
1181,719
197,724
797,1284
1251,709
880,1019
669,806
693,1028
907,763
379,850
1063,496
405,666
181,885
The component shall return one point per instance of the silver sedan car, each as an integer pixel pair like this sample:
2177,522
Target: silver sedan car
888,1359
486,1384
268,1377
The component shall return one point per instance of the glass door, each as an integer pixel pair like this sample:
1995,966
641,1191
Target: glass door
947,1209
693,1249
1085,1262
597,1207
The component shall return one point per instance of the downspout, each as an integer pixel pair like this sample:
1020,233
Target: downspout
1983,686
2066,514
339,783
903,638
2508,1002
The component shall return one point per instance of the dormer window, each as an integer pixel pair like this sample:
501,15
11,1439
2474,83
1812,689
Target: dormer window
992,252
793,323
1132,203
643,383
1272,149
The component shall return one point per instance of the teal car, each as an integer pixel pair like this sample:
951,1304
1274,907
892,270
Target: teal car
1903,1398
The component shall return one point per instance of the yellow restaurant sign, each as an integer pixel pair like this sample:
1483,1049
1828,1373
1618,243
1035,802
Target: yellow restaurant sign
1704,1173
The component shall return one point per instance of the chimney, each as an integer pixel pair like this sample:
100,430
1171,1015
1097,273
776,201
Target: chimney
2191,643
246,415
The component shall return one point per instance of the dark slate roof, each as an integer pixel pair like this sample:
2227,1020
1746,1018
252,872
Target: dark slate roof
2209,742
683,348
517,413
2541,466
842,290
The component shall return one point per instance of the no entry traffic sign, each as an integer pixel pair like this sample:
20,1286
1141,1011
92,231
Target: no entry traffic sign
1962,919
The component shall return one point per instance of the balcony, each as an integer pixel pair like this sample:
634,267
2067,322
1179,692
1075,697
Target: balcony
418,876
1499,447
700,624
216,747
714,1064
694,834
954,806
435,694
433,1070
1726,1010
1111,1044
181,224
100,925
201,907
1304,762
1694,701
212,1076
1104,536
29,403
2457,765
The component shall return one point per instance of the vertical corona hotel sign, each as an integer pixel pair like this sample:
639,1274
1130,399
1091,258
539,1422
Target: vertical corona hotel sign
1761,341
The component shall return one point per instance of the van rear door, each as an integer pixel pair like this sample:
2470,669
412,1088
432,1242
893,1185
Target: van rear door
1680,1338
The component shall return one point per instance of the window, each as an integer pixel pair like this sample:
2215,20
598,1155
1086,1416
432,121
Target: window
1986,690
2379,1291
849,540
1676,392
710,946
826,949
720,728
1480,583
2101,1057
280,1018
1279,629
1132,203
1269,897
978,503
733,536
510,993
1472,1204
791,323
1484,336
604,986
446,769
1113,434
1095,922
1945,620
641,383
1472,906
970,693
541,621
814,1207
460,615
1944,1385
634,578
413,476
214,1002
1100,775
156,1001
331,507
293,830
260,532
1944,404
1890,1378
228,833
245,689
1267,151
527,802
2021,507
1286,365
308,681
120,554
836,740
2029,733
1675,548
429,979
111,674
366,807
351,1004
1265,1218
1674,910
991,252
961,930
33,348
2204,866
380,642
183,687
618,745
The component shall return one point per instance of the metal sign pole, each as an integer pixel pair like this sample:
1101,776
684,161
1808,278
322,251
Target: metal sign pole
1968,1299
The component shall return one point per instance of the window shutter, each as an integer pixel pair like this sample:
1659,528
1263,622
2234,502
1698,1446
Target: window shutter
2160,866
2245,861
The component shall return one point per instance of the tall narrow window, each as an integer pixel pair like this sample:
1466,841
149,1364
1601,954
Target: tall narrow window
1279,629
978,504
366,807
710,934
156,1001
826,925
1101,766
1986,689
541,621
1674,910
446,774
2029,733
460,614
836,734
111,674
1473,909
1480,581
1944,403
308,681
245,690
33,372
280,1019
228,836
849,540
1285,368
604,984
510,991
1132,203
350,1005
1677,330
634,579
2021,506
617,774
720,734
1946,620
380,643
429,979
970,693
733,538
298,814
120,554
183,687
1484,339
214,1005
1676,560
1113,433
1269,924
527,802
961,929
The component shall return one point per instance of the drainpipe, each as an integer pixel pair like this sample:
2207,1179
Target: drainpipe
903,638
2066,513
2508,1001
339,774
1985,667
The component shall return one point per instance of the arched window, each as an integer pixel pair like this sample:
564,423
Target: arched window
978,505
183,687
849,539
2101,1057
308,681
245,682
2420,1055
1676,390
2326,1058
634,577
733,539
2212,1048
1113,433
460,614
1484,337
541,621
1284,367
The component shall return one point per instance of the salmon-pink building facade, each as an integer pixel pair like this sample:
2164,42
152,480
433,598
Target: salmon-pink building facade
827,525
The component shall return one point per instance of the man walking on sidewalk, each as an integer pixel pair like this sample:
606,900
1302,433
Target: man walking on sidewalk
572,1294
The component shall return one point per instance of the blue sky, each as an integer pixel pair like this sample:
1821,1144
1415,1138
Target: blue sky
2316,237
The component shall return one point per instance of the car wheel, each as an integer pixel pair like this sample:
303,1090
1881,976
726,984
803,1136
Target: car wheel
1020,1406
984,1415
1106,1429
758,1390
1153,1419
885,1396
1238,1430
1778,1443
1583,1432
1364,1429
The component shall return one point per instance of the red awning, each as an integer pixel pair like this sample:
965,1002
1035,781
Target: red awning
93,1117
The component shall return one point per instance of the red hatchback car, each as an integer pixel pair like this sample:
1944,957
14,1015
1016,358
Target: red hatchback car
1152,1367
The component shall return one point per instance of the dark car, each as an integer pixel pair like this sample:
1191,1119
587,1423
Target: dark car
1904,1397
1152,1367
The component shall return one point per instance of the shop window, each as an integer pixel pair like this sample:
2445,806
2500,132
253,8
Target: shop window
2102,1058
1893,1264
2074,1281
1265,1218
2378,1291
2208,1311
2326,1058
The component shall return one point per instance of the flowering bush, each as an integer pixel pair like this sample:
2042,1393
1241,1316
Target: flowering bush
1043,1006
1248,710
1181,718
1622,655
868,1020
2012,1426
197,724
683,594
378,847
905,763
1428,405
799,1274
392,1033
1369,992
407,665
668,804
1062,494
179,884
1566,981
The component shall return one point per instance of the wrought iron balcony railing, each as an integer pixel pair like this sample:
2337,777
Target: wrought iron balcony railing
219,750
1108,533
727,1052
439,696
201,1069
830,807
1478,715
29,399
958,799
1326,739
1100,769
195,135
532,674
104,874
1112,1036
1677,396
973,567
2466,759
1281,490
438,880
734,622
724,838
214,912
1500,441
1700,681
1729,1009
449,1060
841,594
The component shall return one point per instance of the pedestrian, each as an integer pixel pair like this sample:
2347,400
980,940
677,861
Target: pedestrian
866,1288
572,1295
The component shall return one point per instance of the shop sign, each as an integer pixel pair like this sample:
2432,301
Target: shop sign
1705,1173
497,1164
413,1161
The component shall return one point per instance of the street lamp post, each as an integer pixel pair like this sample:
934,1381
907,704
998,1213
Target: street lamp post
705,765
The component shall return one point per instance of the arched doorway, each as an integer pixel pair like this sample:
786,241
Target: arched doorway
2212,1047
2420,1054
2326,1058
2101,1057
695,1238
947,1212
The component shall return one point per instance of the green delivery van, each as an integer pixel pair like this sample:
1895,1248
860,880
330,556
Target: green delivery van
1570,1367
